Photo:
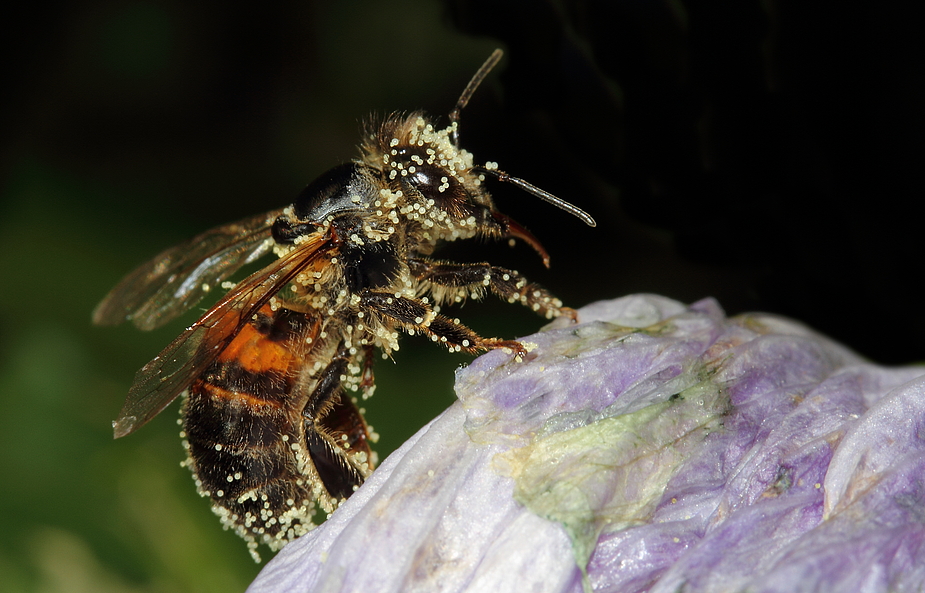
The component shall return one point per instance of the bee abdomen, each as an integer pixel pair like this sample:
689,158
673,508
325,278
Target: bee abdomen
245,454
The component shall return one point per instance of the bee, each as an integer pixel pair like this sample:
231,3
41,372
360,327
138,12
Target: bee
271,433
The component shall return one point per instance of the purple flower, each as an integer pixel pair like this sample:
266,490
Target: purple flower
653,447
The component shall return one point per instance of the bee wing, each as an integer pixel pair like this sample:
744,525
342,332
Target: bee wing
160,381
180,277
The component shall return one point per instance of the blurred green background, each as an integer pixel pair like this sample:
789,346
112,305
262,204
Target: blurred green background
765,153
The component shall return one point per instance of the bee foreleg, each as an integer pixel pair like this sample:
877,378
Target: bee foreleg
416,316
473,278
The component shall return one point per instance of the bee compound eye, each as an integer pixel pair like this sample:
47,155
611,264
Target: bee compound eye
437,184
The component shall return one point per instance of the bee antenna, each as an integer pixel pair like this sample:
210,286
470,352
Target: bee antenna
540,193
470,89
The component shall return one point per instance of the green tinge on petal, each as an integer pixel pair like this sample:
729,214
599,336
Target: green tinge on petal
611,473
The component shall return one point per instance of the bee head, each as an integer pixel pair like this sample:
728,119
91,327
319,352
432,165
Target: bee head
415,177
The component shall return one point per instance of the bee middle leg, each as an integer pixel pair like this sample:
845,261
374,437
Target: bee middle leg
417,316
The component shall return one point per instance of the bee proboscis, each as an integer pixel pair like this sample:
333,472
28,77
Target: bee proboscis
271,432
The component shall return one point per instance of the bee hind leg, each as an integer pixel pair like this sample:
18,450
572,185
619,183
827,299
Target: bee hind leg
326,405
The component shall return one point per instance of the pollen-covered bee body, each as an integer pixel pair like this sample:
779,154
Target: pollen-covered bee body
271,430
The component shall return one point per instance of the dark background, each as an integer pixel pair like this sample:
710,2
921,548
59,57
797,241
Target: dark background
768,154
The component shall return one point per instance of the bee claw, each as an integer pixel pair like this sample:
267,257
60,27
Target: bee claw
572,314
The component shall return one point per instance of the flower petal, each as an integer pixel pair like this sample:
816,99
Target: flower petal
653,447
